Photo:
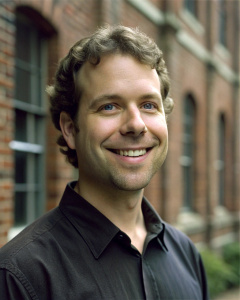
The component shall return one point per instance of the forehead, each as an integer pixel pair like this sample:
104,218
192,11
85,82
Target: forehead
115,71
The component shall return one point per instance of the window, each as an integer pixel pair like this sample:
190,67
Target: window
28,144
191,6
187,159
221,159
222,15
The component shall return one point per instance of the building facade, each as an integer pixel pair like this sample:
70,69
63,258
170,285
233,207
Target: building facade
197,188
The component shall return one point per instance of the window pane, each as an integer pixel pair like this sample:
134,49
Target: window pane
23,85
38,169
188,152
20,208
38,52
20,167
221,161
191,5
20,125
23,43
37,89
39,130
38,203
222,22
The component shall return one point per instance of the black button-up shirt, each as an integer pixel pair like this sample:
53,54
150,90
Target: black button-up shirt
75,252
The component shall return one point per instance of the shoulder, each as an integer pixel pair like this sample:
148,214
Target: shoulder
19,257
30,236
179,242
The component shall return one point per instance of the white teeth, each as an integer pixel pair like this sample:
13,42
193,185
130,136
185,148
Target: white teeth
132,152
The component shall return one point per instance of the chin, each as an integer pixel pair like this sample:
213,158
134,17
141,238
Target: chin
131,185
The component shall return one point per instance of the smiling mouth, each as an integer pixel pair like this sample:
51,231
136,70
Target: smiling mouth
131,153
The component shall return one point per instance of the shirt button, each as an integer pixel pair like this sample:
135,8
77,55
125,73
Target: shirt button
120,236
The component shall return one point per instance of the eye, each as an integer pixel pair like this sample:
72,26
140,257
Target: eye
108,107
149,106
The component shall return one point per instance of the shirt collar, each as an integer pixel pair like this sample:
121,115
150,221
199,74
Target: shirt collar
97,230
155,225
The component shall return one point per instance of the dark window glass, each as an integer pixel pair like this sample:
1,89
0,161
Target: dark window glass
20,208
20,167
222,22
188,153
191,6
221,161
21,125
23,85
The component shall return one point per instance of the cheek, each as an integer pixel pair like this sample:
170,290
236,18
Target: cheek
163,130
106,126
158,127
162,135
97,130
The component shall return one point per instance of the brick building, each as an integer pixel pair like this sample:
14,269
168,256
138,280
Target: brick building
197,189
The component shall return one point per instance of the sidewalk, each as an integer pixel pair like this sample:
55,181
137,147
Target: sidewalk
230,295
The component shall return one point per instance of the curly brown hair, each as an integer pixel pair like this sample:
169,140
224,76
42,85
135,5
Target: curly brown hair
65,94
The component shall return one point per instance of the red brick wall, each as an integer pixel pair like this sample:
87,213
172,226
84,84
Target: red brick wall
6,118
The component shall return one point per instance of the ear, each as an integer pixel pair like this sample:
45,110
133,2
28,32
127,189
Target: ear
68,129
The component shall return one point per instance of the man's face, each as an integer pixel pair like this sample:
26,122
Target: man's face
122,139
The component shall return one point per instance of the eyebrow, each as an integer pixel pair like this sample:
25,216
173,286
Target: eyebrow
152,96
104,97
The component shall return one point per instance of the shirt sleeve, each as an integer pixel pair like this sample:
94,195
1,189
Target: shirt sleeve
13,285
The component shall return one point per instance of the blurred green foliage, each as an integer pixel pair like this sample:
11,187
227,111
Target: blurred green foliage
222,270
231,255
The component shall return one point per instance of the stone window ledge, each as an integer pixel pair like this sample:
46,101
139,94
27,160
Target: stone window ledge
222,217
190,222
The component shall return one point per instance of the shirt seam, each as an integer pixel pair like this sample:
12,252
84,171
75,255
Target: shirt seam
16,272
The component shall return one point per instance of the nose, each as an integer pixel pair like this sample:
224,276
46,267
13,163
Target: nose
133,123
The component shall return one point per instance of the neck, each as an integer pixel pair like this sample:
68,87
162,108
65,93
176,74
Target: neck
122,208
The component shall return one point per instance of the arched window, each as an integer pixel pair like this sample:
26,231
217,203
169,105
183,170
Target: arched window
30,112
187,159
221,159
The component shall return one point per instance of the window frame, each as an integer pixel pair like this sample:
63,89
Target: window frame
35,110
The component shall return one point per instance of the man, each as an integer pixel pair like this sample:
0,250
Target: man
104,240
